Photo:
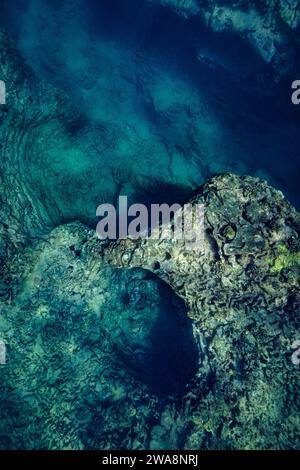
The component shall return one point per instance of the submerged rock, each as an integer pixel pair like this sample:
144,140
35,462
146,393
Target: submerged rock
242,292
270,27
83,363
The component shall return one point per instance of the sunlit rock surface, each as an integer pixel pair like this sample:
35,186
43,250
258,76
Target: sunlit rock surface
87,366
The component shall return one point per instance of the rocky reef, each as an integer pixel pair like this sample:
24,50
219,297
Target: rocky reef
87,366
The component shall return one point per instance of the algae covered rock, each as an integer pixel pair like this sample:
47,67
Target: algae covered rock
242,292
80,376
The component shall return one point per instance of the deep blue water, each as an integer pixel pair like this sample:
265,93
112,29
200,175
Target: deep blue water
118,61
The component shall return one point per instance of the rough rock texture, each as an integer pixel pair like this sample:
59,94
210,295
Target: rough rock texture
242,292
271,27
79,377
